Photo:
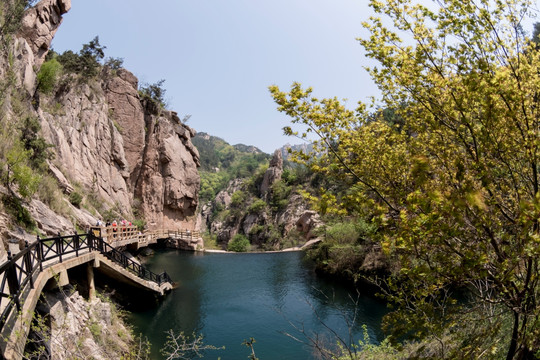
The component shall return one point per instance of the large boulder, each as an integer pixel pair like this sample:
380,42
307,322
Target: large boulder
40,23
168,182
308,222
273,173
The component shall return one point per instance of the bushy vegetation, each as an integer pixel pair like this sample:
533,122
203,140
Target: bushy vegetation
75,198
87,62
114,63
257,206
221,162
48,74
447,173
154,93
23,156
239,243
38,149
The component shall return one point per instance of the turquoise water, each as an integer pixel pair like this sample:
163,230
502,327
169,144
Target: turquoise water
232,297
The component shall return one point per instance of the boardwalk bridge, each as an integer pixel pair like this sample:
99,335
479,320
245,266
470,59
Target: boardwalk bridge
47,261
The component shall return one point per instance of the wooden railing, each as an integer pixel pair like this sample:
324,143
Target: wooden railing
124,235
18,273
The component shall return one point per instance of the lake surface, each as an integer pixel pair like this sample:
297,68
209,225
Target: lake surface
232,297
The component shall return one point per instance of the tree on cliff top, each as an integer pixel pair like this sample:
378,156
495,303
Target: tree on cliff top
87,61
154,93
454,189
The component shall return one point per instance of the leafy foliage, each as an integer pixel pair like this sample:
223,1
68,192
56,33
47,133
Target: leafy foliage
239,243
114,63
38,149
75,198
16,172
453,186
20,214
154,93
87,62
280,193
257,206
221,162
48,75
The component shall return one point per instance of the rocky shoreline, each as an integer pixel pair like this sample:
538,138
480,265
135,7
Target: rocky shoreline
306,246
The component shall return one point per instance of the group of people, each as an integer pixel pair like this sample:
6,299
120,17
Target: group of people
114,223
122,225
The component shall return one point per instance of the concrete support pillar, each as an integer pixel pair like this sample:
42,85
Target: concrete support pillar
63,278
91,284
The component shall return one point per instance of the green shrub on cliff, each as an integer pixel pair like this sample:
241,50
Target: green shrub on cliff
239,243
38,149
280,193
75,198
257,206
48,75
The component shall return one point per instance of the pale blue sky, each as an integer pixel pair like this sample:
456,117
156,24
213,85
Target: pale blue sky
219,57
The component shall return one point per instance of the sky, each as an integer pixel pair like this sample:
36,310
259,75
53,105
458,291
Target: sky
219,57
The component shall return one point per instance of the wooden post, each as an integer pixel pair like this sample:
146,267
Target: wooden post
13,283
28,264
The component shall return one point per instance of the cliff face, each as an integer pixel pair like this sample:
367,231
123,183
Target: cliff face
108,143
273,216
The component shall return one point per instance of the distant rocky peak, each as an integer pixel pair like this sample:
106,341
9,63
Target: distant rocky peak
273,173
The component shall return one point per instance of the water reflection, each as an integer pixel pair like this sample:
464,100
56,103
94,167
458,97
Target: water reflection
232,297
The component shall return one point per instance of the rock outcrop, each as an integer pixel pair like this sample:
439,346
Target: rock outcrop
40,24
273,173
80,328
308,222
31,43
168,183
108,142
121,152
267,228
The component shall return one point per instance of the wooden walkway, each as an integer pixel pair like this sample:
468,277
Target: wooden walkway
23,275
118,236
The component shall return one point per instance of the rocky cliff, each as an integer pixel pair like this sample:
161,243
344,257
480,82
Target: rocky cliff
265,208
70,327
123,154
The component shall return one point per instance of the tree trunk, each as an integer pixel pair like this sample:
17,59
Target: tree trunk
513,342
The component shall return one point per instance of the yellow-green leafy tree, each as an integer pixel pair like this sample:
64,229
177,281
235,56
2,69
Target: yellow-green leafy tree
454,185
